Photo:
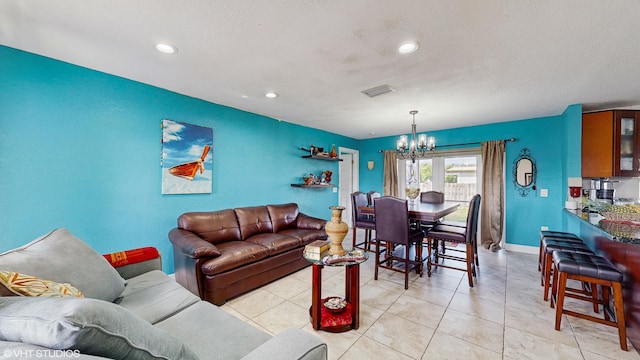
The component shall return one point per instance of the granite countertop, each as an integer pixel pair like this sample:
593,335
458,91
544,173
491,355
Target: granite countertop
620,231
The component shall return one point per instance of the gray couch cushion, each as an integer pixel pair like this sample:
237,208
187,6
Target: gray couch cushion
154,296
92,326
62,257
206,329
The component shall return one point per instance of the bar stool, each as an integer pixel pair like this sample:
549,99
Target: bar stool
595,270
549,245
560,235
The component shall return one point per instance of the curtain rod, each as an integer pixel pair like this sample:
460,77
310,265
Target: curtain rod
469,143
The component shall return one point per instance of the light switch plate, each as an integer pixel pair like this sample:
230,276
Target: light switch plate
544,192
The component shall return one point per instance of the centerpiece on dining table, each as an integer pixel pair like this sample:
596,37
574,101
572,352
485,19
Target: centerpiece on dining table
412,189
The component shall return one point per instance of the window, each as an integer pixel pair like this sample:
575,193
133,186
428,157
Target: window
458,174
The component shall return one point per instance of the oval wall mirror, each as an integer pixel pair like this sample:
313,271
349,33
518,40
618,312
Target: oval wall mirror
524,172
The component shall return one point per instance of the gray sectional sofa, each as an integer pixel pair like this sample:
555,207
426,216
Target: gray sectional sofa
143,315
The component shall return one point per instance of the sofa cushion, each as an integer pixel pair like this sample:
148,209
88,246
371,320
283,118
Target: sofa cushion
234,254
154,296
223,337
61,257
212,226
92,326
283,216
28,285
253,220
275,243
305,236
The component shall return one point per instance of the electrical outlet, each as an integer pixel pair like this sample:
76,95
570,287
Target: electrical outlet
544,192
335,189
544,228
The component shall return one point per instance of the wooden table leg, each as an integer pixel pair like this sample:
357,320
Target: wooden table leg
352,293
316,294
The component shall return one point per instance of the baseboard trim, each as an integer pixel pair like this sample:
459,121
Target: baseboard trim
534,250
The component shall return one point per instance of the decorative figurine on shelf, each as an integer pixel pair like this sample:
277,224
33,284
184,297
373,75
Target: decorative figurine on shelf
333,152
327,175
308,180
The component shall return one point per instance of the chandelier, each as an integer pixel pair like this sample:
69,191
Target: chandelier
418,146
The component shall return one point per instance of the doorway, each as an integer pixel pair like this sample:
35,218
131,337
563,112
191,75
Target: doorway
349,179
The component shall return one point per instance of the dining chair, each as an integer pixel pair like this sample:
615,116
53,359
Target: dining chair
371,195
361,221
433,197
392,228
460,235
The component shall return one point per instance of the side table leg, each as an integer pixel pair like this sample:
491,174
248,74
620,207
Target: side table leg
352,293
316,290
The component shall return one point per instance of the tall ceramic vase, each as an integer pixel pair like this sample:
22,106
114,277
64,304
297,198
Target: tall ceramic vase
337,230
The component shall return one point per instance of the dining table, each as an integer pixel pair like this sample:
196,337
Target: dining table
429,212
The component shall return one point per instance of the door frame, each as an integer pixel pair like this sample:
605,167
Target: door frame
354,168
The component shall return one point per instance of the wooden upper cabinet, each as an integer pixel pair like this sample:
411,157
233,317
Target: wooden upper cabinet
611,143
597,144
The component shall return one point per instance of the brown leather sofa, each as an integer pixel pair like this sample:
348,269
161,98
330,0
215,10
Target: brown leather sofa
222,254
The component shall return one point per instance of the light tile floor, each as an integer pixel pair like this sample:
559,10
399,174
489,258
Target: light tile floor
502,317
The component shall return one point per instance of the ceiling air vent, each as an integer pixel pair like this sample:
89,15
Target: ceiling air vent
378,90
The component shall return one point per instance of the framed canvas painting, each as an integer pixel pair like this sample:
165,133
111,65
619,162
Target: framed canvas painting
187,158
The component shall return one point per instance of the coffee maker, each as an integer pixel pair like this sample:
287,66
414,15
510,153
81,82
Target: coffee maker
602,190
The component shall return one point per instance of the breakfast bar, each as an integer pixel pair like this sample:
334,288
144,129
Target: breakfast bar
624,251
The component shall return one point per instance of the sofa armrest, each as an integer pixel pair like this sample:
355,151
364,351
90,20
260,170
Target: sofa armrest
290,344
308,222
191,244
133,262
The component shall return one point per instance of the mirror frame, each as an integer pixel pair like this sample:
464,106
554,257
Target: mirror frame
525,154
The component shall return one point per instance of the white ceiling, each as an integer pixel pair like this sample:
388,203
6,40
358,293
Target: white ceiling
479,61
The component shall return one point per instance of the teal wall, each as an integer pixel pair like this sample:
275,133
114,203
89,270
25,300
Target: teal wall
80,149
554,142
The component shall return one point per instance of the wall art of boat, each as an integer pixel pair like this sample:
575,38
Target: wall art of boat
190,169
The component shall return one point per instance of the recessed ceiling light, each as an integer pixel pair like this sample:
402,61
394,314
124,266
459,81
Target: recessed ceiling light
271,95
166,48
408,47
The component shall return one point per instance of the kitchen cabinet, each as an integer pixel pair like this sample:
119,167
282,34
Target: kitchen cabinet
611,143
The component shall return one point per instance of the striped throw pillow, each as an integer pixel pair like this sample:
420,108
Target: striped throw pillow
27,285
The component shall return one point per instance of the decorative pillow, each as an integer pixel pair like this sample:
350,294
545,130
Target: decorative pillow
93,327
27,285
133,256
61,257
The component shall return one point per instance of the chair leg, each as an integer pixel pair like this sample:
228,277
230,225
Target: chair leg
475,251
419,265
540,256
554,287
562,284
353,242
406,266
605,298
618,303
546,272
429,243
470,263
375,273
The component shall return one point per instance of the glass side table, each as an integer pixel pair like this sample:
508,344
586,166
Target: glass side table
321,317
